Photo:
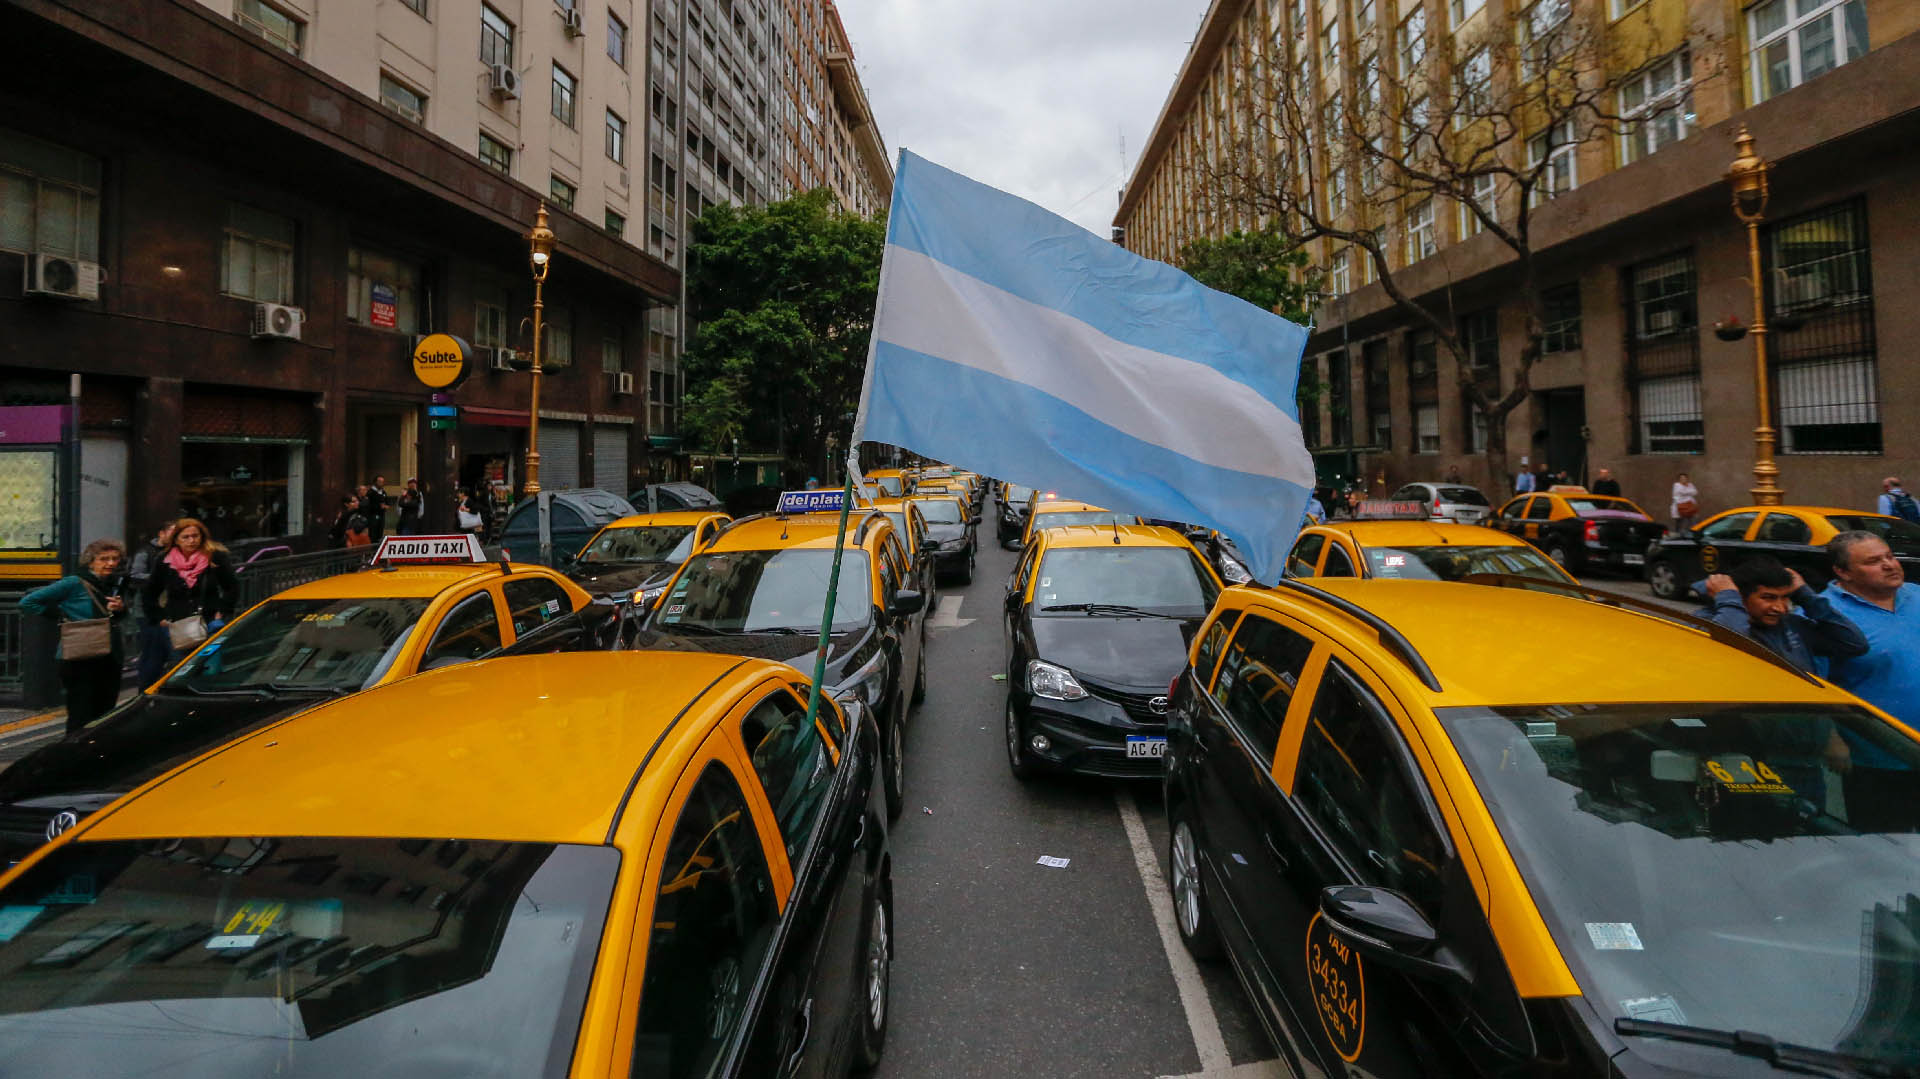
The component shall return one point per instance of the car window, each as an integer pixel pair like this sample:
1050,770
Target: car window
1514,507
1465,496
1211,644
889,581
532,602
469,631
1540,509
1338,564
1348,782
896,554
1262,667
1784,528
1409,493
791,760
1305,555
714,913
1731,527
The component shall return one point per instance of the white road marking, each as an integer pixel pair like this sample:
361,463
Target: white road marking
1186,977
947,614
1259,1069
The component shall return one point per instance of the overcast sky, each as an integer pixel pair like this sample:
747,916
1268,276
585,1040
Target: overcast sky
1031,96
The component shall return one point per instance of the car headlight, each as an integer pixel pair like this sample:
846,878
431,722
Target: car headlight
1053,682
1234,572
647,597
866,685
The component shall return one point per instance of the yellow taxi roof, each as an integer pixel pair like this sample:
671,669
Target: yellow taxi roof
401,582
800,529
1103,536
1421,533
528,748
1062,505
665,517
1809,511
1494,646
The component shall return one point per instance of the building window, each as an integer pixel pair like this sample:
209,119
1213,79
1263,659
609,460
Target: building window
1426,429
560,192
49,198
1658,106
1373,364
1476,426
1480,336
1825,371
616,39
1337,190
1476,87
1340,397
1797,40
1546,31
383,291
281,30
418,7
1556,149
613,358
616,225
1617,8
489,325
402,98
616,138
1462,10
1417,125
1410,41
1482,188
1423,390
497,155
257,262
1330,40
564,88
558,352
1362,16
1307,400
1663,356
1340,272
496,37
1420,241
1561,318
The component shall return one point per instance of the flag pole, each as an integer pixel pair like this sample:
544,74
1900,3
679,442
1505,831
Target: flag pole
833,591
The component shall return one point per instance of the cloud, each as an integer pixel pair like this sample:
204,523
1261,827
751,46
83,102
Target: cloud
1031,96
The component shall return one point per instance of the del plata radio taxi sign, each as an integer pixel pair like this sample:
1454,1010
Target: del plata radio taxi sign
441,360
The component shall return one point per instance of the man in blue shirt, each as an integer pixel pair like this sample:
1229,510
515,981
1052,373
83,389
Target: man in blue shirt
1757,601
1871,589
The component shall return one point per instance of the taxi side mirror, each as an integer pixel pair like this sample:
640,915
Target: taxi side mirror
907,601
1386,927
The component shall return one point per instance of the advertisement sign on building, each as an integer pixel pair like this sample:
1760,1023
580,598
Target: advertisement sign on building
441,361
385,312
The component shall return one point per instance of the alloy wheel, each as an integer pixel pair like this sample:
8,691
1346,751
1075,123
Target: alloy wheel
879,965
1186,880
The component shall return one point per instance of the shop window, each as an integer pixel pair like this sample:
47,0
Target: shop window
257,261
242,490
384,292
49,198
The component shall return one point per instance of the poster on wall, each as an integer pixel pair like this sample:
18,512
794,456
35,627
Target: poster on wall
385,312
27,500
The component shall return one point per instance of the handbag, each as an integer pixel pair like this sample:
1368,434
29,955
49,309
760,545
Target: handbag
469,520
186,632
87,638
1687,508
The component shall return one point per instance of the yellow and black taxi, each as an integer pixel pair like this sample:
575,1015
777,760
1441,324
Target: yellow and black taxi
1409,546
628,561
1049,510
893,482
1427,857
1012,502
761,590
1796,535
1097,621
910,527
428,605
582,865
1581,531
952,534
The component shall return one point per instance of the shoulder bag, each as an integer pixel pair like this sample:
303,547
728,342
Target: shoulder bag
87,638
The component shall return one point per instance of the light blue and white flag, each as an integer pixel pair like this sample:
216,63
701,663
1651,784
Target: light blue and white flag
1012,342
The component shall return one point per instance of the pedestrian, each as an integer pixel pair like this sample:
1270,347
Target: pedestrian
413,509
193,590
1453,474
1523,481
1757,601
88,604
1871,588
1605,484
466,509
1316,509
154,648
1896,502
374,508
1685,505
349,525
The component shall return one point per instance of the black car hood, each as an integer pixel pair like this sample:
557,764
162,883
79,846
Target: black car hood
846,652
942,533
619,576
147,736
1140,653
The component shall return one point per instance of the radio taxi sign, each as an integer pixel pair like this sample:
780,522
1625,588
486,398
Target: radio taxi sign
429,550
826,500
442,361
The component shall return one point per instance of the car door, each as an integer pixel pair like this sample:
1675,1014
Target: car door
1013,616
1508,518
1723,541
470,630
1339,561
1538,518
541,614
896,574
1237,803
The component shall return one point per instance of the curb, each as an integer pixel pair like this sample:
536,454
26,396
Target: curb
33,721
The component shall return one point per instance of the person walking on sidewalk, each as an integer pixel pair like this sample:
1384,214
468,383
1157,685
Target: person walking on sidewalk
413,509
154,648
195,578
92,682
1894,501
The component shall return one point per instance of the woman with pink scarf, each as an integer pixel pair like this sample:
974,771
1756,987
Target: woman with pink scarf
195,576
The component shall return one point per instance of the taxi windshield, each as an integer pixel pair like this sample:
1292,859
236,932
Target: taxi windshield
1691,860
1902,536
1073,582
766,591
640,543
1015,494
308,644
939,511
1593,507
209,957
1450,563
890,484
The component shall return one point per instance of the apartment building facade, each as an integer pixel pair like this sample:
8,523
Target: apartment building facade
1634,240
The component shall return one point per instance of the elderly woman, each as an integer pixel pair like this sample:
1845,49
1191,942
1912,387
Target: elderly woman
92,683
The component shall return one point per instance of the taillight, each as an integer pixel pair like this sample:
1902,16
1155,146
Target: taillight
1593,532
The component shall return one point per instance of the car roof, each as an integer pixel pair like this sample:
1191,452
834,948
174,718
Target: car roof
528,748
1810,511
1563,649
399,582
800,530
1065,505
666,517
1417,533
1103,536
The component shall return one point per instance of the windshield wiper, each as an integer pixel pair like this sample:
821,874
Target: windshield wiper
696,627
1786,1056
784,631
1108,608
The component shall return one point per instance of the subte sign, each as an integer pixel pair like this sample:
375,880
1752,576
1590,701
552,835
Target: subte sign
442,361
400,550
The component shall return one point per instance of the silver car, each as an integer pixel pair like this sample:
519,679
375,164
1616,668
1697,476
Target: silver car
1448,501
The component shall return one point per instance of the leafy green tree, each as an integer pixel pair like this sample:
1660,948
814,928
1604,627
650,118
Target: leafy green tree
781,297
1266,268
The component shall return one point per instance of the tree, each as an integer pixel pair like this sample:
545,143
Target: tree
781,297
1409,133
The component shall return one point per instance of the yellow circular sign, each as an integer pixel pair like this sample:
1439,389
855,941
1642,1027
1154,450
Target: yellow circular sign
441,360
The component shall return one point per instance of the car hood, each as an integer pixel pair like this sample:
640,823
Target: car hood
143,738
620,576
945,533
1142,653
846,652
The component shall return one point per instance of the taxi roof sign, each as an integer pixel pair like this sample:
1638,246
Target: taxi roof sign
1382,509
430,550
826,500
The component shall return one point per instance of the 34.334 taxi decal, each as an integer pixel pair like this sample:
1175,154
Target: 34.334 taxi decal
1339,988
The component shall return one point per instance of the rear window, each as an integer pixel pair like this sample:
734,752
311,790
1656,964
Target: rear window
1590,507
1161,580
248,956
1465,496
1902,536
940,511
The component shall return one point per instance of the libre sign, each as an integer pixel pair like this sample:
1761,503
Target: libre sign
441,360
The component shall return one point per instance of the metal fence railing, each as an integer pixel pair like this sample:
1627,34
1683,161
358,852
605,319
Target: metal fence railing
261,576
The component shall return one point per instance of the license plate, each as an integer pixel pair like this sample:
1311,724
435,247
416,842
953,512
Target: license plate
1634,559
1146,747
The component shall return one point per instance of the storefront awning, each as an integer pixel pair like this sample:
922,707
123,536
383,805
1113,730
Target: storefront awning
493,417
664,442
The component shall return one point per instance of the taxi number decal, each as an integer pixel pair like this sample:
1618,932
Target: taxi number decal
254,918
1754,777
1339,988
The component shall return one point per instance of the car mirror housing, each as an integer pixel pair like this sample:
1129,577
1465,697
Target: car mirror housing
1387,928
908,601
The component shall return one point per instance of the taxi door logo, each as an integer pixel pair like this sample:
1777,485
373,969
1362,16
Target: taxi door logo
1339,988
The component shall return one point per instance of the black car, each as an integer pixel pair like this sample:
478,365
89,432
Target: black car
572,519
952,534
1796,535
680,495
1097,625
1013,502
1583,532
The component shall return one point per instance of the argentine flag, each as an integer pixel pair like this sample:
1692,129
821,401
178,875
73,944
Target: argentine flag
1012,342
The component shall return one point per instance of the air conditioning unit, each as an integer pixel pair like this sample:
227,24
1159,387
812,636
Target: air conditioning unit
570,22
63,277
503,359
503,80
278,320
623,383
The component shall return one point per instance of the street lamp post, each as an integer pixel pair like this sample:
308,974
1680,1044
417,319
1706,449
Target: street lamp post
540,254
1748,177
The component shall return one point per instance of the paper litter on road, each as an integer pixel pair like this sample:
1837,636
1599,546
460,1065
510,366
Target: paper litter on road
927,810
1054,863
1001,677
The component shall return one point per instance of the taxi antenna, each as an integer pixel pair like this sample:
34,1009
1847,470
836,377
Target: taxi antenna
506,568
1116,531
